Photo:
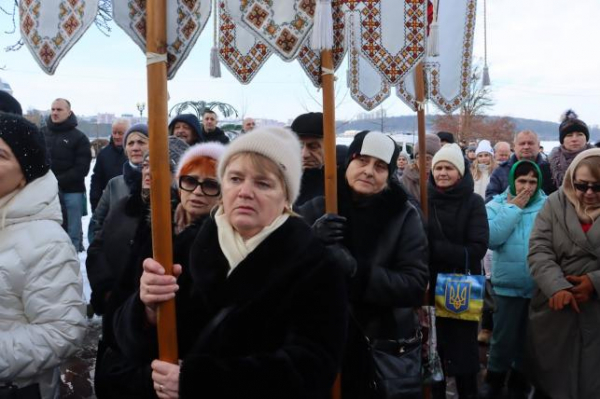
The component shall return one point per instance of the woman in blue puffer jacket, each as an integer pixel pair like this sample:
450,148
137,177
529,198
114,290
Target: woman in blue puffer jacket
511,217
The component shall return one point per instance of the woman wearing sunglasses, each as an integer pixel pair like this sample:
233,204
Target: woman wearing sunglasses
564,318
199,189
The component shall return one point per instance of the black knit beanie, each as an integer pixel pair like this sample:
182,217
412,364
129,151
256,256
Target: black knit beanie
9,104
570,124
309,125
377,145
27,143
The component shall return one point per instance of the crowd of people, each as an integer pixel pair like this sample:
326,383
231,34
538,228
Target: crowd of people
275,296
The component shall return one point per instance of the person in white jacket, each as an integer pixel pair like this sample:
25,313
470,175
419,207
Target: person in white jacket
42,310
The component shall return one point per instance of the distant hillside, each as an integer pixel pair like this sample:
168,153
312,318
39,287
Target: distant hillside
399,124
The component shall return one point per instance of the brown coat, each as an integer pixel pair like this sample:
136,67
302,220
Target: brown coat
564,346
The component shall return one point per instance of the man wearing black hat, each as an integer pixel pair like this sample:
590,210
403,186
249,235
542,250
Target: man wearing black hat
309,128
70,157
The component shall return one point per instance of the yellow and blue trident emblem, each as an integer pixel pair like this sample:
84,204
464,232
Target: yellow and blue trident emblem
459,296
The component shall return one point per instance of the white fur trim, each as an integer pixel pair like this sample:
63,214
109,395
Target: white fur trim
212,150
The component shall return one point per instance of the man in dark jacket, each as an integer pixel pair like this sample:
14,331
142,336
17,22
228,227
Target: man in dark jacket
527,146
187,127
70,157
109,162
309,128
210,131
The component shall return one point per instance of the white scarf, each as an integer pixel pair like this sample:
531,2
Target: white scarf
234,247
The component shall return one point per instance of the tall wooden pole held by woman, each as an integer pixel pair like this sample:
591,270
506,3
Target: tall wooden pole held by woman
160,193
423,173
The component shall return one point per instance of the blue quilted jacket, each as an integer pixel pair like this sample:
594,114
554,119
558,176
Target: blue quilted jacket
510,227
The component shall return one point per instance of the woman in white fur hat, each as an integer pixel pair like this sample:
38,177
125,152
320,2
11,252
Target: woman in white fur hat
483,166
264,313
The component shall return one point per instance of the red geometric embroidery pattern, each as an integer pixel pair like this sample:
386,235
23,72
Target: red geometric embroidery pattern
394,66
310,60
188,16
283,32
74,18
241,63
450,105
434,66
367,87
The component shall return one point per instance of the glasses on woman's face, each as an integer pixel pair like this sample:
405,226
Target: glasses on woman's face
583,187
209,187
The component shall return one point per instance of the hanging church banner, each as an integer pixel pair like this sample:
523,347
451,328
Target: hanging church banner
310,60
50,28
185,21
447,75
239,50
283,25
367,86
393,35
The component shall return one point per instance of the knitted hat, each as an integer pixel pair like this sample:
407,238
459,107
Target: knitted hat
176,149
279,145
377,145
446,136
9,104
484,146
212,150
450,153
309,125
432,145
570,124
141,128
27,143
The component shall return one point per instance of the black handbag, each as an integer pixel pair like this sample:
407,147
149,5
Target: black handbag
10,391
396,368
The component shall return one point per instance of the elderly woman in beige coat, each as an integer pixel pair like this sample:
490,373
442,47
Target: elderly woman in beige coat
564,259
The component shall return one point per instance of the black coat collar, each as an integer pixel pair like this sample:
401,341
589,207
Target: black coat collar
268,263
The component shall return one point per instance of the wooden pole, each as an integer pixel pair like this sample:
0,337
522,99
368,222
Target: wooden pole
423,173
327,79
160,193
329,135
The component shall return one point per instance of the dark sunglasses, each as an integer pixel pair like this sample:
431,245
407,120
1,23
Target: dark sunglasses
209,187
583,187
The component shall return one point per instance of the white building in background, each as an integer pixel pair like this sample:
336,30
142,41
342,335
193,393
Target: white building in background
5,87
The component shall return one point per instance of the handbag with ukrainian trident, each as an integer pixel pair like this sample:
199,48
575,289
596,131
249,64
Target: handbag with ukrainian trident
459,296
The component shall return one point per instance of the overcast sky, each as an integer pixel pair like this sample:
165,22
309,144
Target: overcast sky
543,57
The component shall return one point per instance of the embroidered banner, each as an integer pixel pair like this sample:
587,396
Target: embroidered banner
239,50
310,61
51,28
367,86
283,25
447,76
185,21
393,35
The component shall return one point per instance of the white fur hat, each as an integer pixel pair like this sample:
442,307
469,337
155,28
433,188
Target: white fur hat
212,150
279,145
484,146
450,153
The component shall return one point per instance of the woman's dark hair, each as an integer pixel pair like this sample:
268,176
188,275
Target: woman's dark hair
524,168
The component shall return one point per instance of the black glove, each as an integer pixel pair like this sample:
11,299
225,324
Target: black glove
340,255
329,228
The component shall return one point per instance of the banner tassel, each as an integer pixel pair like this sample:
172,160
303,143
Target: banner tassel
433,41
215,65
322,34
